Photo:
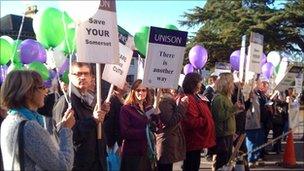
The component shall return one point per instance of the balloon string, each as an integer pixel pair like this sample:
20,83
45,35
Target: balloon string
70,52
58,79
19,34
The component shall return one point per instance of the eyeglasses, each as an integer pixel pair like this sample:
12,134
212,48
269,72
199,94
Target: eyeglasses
78,74
141,90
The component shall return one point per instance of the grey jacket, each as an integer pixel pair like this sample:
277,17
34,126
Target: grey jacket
41,151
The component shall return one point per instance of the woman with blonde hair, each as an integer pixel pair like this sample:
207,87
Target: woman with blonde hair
25,144
223,112
133,120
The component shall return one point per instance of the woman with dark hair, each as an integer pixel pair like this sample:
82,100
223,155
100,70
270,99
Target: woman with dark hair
198,126
171,144
134,119
22,94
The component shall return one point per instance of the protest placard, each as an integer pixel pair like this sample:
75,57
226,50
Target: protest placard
116,73
222,67
164,57
293,75
96,38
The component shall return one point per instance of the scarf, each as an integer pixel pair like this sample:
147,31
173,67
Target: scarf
28,114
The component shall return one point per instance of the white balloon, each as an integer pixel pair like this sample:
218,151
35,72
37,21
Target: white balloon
80,11
55,58
274,57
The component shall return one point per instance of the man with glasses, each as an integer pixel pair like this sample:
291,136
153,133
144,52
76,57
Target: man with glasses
90,152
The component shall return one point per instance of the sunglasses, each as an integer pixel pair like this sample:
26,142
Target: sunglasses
141,90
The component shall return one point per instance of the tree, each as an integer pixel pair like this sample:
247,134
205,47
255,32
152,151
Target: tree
224,22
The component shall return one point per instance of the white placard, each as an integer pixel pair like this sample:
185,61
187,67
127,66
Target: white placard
299,83
97,38
253,61
289,80
116,74
164,59
222,67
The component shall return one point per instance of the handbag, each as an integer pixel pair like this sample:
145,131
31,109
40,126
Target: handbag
20,139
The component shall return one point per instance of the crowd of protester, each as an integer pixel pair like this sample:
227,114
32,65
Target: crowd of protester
149,130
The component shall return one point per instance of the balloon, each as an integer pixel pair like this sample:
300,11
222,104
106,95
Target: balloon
198,56
267,70
40,68
274,57
171,26
141,40
65,77
6,50
49,26
3,72
188,69
8,39
16,47
263,59
68,45
55,58
235,60
48,83
64,66
80,11
31,50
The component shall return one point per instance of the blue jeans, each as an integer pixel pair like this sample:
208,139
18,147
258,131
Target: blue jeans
254,138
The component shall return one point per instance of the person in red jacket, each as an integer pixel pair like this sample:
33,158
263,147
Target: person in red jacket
198,126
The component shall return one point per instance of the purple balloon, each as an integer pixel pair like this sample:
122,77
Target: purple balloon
64,66
263,59
235,60
31,50
188,69
48,83
267,70
198,56
3,72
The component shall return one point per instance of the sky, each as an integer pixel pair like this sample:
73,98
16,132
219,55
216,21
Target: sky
131,15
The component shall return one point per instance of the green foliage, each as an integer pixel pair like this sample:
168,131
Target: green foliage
224,22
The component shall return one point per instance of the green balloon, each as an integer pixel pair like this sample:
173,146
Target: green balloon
65,77
68,45
40,68
171,26
5,52
141,40
16,58
49,27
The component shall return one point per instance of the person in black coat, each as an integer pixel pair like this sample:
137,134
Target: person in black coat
90,152
111,123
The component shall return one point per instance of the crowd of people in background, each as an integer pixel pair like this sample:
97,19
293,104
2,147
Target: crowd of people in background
150,129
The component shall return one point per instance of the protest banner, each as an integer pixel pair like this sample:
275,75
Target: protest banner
255,52
293,75
222,67
164,57
116,73
97,38
97,42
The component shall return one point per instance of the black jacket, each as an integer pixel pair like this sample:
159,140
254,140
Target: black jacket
90,153
111,123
